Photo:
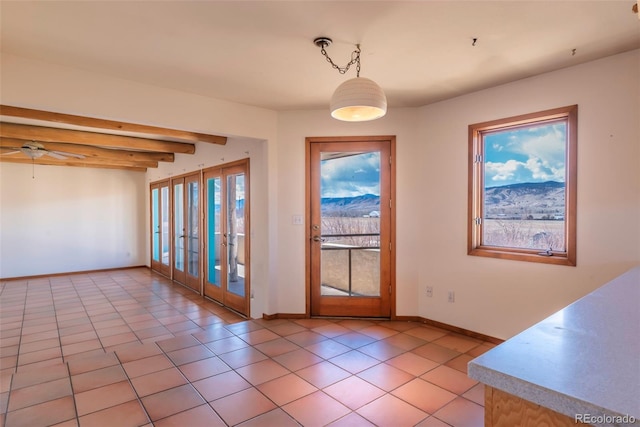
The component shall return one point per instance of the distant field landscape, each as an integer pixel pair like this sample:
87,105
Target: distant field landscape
535,234
352,225
525,215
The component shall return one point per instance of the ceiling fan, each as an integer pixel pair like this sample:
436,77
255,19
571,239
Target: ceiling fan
35,150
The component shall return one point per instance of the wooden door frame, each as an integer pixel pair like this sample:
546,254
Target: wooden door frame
194,283
308,232
216,172
221,171
233,300
168,269
191,281
174,238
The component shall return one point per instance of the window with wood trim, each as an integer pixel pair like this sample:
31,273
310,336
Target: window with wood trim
522,187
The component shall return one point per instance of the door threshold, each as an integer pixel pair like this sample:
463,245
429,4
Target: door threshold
244,316
350,318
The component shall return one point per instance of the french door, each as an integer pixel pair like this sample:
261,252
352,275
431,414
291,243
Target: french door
350,211
186,226
226,227
160,233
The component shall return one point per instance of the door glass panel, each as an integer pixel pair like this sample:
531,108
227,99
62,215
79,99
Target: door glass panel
213,231
193,244
178,220
235,234
155,225
164,202
350,224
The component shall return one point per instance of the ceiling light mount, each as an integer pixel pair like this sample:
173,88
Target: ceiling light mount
323,42
358,99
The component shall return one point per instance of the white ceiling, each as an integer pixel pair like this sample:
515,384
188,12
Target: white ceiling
261,53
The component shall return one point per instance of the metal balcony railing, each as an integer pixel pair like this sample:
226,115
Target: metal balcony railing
366,286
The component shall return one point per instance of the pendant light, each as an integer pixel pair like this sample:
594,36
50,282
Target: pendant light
358,99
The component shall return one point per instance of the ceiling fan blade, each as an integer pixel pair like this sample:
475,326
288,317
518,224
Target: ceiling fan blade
56,155
11,152
66,154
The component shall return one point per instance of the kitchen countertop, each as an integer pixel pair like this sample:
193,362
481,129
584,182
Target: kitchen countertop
584,359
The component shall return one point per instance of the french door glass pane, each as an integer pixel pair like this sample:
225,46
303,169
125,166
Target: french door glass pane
213,231
350,227
178,220
193,245
235,234
164,201
155,225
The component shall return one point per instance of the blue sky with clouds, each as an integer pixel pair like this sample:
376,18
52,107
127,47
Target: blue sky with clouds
527,154
351,176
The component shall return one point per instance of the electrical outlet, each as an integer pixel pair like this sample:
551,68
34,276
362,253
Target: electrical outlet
297,220
429,291
452,296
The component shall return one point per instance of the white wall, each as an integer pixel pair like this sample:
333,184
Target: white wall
494,297
69,219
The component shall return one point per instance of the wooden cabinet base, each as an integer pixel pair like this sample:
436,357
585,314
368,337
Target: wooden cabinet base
506,410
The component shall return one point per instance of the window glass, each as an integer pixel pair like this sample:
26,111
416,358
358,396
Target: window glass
524,186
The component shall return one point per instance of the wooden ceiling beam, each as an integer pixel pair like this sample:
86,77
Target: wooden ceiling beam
89,162
27,113
46,134
94,152
55,162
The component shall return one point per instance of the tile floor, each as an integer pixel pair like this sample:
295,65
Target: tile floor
129,348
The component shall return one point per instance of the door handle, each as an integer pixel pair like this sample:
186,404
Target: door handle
318,239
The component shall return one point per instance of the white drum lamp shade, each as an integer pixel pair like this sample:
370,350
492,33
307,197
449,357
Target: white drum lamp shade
358,100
